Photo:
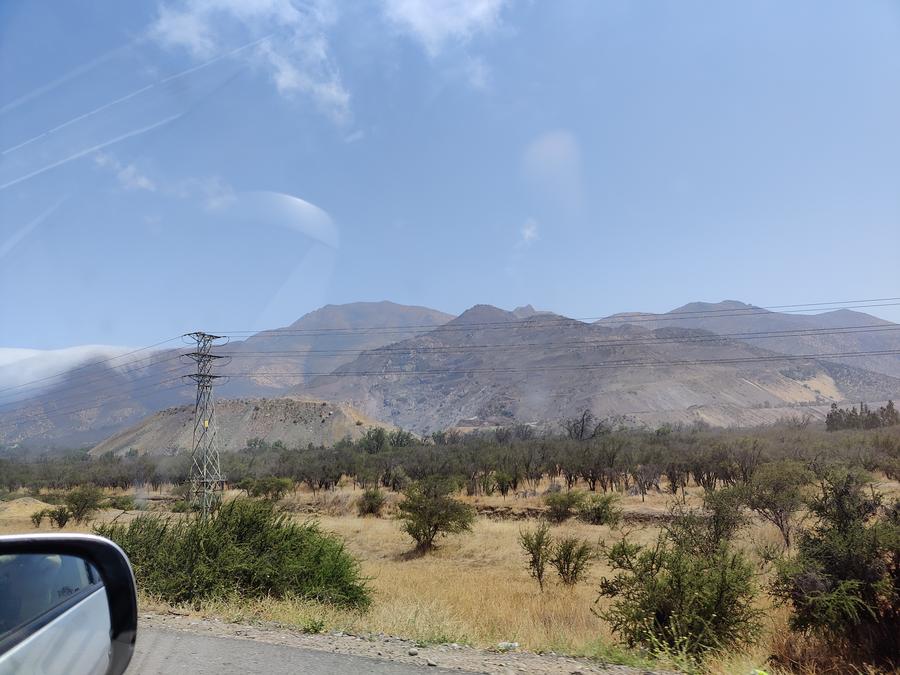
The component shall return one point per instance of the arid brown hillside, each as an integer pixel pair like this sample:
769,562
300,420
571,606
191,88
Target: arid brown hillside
92,402
489,367
414,367
321,341
294,422
836,332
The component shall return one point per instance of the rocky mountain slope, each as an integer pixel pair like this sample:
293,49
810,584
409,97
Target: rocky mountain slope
294,422
847,330
415,367
93,401
321,341
488,366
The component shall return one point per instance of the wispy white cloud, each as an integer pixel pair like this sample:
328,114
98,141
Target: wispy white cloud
528,233
526,236
25,373
128,175
217,194
213,192
295,51
435,23
552,162
355,136
477,73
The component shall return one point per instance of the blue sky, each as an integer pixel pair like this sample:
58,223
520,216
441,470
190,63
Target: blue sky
232,164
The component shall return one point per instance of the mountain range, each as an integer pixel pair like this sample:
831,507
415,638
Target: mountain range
725,363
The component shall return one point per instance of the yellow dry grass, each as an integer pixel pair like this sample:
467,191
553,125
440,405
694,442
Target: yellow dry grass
474,588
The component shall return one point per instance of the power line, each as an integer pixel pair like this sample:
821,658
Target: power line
147,362
523,323
616,342
482,348
512,370
486,348
609,364
534,321
80,382
6,421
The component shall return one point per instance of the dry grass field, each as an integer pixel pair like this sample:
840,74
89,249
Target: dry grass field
474,588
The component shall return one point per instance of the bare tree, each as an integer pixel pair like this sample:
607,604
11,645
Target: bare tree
581,427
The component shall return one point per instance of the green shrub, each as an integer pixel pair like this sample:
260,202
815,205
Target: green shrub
371,502
38,517
687,594
562,505
397,479
601,510
245,549
571,557
504,482
539,547
83,501
271,488
429,511
122,502
268,487
725,513
180,506
59,516
247,485
844,581
776,493
313,625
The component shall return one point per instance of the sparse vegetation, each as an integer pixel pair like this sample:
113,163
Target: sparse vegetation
180,506
538,545
562,505
38,517
83,501
571,557
862,418
122,502
703,488
272,488
776,494
371,502
844,581
601,510
429,511
59,516
687,594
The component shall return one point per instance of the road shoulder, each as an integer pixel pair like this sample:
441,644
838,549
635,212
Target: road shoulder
388,648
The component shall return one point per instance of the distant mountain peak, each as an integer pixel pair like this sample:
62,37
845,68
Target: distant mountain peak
484,314
370,315
524,311
723,305
528,311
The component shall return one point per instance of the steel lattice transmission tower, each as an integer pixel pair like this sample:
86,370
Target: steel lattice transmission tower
207,481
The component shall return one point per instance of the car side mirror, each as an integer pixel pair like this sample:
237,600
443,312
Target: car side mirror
67,605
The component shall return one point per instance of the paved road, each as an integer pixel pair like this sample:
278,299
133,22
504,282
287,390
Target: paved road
170,651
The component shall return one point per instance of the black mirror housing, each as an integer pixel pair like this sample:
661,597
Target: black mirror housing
115,572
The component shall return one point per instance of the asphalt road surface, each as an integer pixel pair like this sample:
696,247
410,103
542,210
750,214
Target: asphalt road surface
170,651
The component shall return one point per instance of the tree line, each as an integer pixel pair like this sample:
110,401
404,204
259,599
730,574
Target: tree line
863,418
601,456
